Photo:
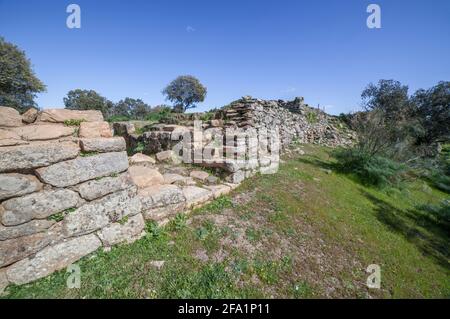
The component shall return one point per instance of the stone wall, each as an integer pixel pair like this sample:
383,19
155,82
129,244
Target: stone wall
68,187
295,120
64,191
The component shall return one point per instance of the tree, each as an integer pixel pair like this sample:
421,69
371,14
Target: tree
87,100
389,127
18,83
135,108
432,108
185,91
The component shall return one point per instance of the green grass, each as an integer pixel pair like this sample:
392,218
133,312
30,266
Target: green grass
300,233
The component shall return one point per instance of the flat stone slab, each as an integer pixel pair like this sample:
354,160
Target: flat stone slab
36,155
51,259
219,190
162,214
9,138
14,185
95,129
99,213
103,145
200,175
145,176
13,250
129,231
10,117
62,115
172,178
43,132
83,168
160,195
30,228
98,188
141,159
196,195
40,205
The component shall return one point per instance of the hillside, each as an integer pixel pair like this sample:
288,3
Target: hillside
303,232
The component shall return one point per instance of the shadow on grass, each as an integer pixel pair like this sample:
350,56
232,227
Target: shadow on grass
427,227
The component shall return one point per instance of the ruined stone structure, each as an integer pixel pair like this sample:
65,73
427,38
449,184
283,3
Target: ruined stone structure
68,186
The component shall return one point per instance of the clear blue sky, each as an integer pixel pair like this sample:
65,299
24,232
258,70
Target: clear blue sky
321,49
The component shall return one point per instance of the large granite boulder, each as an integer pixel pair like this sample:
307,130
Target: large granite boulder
160,196
103,145
9,117
63,115
10,138
98,188
36,155
40,205
95,129
44,132
51,259
13,250
14,185
30,115
128,231
30,228
82,169
145,176
99,213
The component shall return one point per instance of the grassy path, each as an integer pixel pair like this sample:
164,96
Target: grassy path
304,232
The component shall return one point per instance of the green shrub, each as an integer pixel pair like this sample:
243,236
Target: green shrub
377,171
311,117
118,118
74,122
162,115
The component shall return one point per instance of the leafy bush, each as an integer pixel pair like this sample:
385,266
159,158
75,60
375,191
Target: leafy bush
311,117
74,122
118,118
159,116
377,171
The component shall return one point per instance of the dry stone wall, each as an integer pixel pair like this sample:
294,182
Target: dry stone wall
68,187
64,190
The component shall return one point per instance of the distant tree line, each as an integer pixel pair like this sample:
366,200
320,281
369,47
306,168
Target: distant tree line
19,87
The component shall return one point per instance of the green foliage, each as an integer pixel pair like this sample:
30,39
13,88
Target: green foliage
60,216
139,148
153,230
377,171
88,154
185,91
432,108
18,83
179,222
131,108
311,117
123,221
87,100
118,118
161,114
207,116
74,122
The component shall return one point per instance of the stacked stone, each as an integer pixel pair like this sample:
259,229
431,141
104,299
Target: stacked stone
291,120
64,191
